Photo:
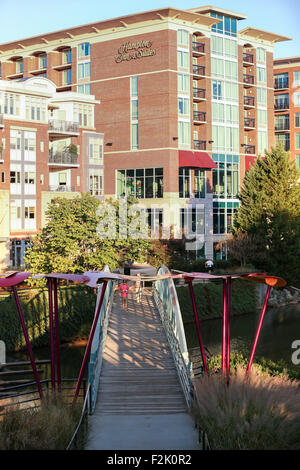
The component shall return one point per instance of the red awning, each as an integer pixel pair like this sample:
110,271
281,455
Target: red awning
195,159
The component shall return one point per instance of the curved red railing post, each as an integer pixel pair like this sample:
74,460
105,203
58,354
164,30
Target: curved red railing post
258,330
228,304
50,300
224,326
33,364
56,330
89,344
198,325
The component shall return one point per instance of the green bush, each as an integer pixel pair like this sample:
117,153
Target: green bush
76,305
209,299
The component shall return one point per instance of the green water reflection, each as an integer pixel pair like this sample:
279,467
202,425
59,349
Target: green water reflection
280,328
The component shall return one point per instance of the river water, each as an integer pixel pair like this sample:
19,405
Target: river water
281,327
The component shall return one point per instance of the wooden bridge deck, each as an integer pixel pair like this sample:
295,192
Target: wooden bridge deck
139,385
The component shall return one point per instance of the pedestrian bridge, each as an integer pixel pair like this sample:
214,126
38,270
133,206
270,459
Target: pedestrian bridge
140,378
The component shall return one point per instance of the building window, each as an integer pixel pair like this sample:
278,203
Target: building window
261,74
192,221
84,70
262,143
96,182
217,45
15,177
29,177
183,106
184,182
200,182
227,26
297,140
184,137
282,101
226,176
85,88
42,61
223,216
67,77
297,161
297,119
261,96
282,122
182,59
140,183
284,139
96,151
84,49
18,251
261,55
134,136
66,55
183,83
281,81
19,66
134,110
11,104
182,38
297,78
262,118
297,98
83,114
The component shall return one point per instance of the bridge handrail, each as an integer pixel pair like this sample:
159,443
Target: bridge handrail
166,300
97,347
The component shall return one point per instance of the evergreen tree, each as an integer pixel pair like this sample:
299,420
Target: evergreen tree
270,211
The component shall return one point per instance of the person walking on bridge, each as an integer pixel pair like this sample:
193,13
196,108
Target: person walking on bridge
124,289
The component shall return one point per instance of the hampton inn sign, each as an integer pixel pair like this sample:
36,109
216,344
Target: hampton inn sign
135,50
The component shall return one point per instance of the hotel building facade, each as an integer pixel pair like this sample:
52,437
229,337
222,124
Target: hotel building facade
183,103
287,105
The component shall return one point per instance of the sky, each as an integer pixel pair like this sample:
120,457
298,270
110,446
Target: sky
24,18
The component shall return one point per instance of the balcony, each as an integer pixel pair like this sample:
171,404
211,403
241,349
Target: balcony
282,127
249,102
248,59
1,121
199,117
249,123
281,83
60,129
285,141
63,158
198,71
198,94
248,80
198,48
199,144
249,149
61,188
282,105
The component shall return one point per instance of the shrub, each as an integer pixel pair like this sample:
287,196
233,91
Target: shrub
49,427
258,413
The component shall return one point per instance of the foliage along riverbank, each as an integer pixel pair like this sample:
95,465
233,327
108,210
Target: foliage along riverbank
209,299
76,306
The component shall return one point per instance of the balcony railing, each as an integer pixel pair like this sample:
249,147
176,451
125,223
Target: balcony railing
62,187
249,122
199,93
1,121
248,79
63,127
248,58
249,149
63,158
285,142
281,83
249,101
199,116
199,144
198,47
281,105
282,126
198,70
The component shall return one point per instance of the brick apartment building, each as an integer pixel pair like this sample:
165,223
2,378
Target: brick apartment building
184,101
287,105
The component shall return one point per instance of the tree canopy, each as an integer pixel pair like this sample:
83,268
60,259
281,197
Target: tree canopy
270,213
84,233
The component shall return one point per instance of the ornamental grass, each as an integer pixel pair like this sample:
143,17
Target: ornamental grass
48,427
261,412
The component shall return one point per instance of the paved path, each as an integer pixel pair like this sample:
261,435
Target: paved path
140,403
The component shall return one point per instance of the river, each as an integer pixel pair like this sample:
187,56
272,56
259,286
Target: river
280,328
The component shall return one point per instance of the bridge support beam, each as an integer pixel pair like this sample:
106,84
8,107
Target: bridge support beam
197,325
89,344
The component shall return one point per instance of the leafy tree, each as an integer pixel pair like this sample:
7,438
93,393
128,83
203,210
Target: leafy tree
270,213
84,233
